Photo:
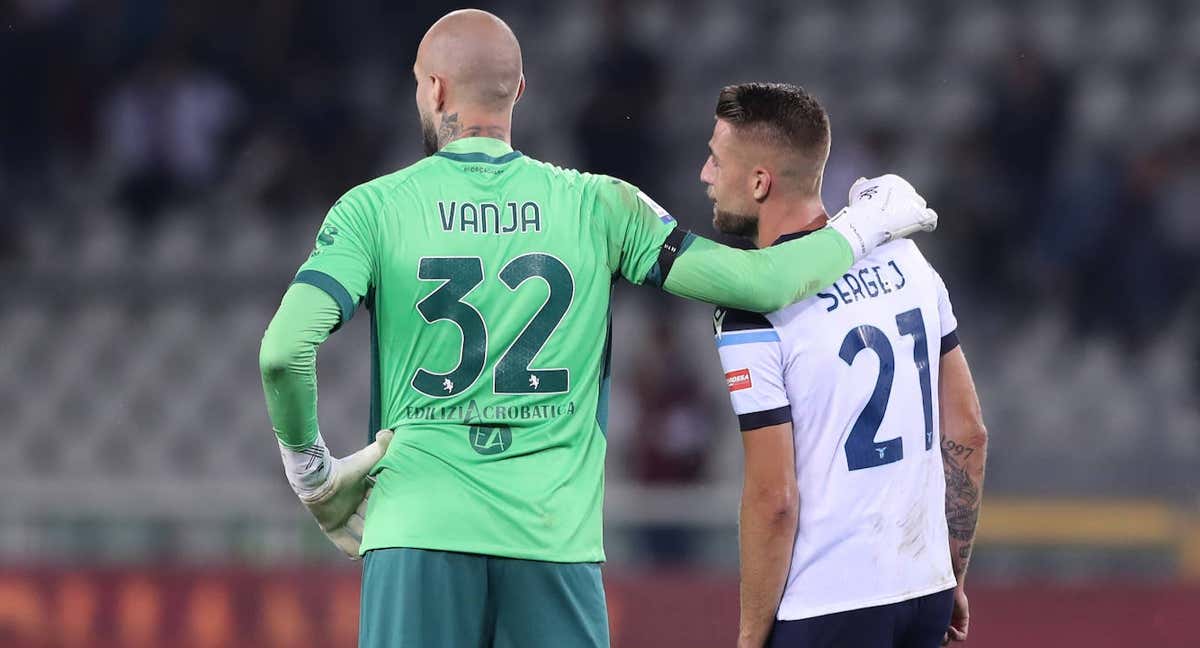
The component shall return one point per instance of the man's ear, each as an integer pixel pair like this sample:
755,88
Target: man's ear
438,88
520,89
762,184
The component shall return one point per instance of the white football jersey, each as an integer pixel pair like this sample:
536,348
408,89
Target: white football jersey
855,370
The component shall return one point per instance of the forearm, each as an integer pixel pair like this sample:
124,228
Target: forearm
766,534
758,280
288,361
964,455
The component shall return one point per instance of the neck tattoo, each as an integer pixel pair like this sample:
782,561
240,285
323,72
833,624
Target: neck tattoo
451,129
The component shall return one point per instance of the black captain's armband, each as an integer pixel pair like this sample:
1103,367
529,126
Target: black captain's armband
728,320
677,241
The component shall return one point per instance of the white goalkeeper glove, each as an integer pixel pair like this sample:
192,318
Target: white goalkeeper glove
882,209
334,490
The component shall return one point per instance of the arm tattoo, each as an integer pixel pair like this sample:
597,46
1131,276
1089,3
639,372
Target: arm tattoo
451,129
962,509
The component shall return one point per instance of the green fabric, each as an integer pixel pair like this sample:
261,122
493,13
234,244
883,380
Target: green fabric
548,605
413,598
759,280
490,284
488,276
288,358
331,287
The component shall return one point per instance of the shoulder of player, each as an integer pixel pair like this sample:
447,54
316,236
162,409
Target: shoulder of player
728,320
897,247
899,250
382,192
562,174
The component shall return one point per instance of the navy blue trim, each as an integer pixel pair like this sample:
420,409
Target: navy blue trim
755,420
792,237
949,342
747,337
605,379
479,157
732,319
374,421
333,288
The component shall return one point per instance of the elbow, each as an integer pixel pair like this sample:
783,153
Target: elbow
785,514
271,361
777,304
976,434
770,301
778,508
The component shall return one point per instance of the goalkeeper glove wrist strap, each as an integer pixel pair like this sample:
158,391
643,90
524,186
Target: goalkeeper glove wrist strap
307,470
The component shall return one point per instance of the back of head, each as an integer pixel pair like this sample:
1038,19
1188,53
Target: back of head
785,119
478,58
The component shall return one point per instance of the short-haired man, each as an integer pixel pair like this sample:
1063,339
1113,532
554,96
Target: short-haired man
855,531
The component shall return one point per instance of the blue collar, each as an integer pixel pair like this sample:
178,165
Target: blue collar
791,237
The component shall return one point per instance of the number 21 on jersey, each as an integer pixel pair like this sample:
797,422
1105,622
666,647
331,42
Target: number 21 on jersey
862,450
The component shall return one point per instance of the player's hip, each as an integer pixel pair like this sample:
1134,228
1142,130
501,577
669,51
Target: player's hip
419,598
916,621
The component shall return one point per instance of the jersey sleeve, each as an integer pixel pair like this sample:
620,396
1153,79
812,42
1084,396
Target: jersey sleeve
343,261
946,316
760,281
288,361
636,228
752,358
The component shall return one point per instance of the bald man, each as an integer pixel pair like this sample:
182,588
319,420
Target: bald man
487,277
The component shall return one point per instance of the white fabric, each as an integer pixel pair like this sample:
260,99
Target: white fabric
877,534
307,469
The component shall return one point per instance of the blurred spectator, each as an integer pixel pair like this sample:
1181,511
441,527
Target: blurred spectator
673,430
1150,277
1072,246
978,216
165,131
617,129
1026,128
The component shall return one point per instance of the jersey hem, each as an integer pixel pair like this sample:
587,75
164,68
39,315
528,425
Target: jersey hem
950,342
764,418
846,606
482,550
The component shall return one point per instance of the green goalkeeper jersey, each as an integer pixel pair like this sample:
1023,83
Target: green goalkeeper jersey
487,277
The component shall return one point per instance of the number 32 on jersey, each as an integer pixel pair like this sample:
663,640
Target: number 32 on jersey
512,374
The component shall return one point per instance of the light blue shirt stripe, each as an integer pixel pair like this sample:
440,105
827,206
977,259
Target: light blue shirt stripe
747,337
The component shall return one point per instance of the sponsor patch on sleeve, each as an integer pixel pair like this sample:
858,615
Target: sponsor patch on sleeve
739,379
662,213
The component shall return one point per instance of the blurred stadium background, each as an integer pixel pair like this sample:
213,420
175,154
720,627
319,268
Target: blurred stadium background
165,166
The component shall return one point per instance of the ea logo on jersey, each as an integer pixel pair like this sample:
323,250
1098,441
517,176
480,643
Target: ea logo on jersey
490,439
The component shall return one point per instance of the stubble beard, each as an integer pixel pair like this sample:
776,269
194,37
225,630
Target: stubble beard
743,225
429,136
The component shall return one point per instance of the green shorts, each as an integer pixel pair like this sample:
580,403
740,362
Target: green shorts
414,598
